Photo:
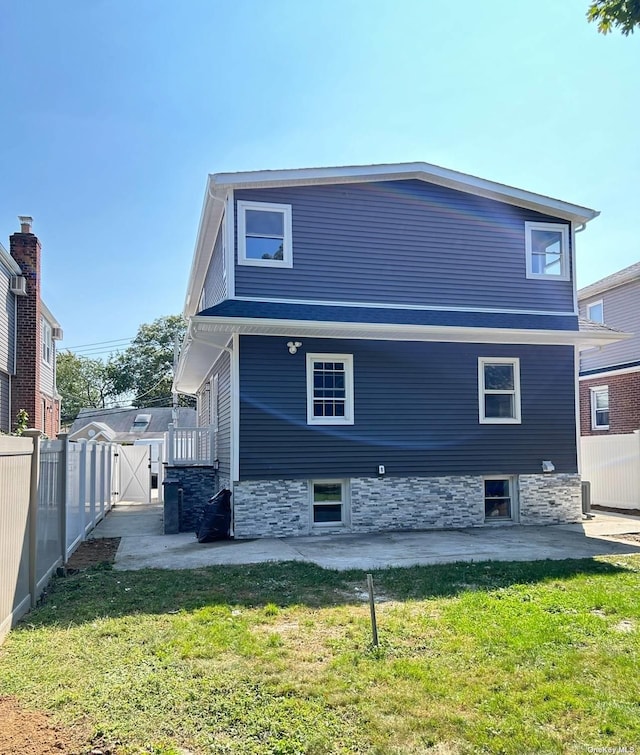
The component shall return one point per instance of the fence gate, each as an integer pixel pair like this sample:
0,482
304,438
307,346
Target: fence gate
135,474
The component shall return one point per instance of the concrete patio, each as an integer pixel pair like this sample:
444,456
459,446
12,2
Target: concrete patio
143,546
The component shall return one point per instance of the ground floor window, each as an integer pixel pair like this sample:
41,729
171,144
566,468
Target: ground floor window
500,498
328,502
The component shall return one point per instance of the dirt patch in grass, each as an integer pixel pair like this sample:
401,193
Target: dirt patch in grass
27,732
93,553
631,536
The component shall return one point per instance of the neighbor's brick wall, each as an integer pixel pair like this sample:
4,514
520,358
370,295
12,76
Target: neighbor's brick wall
624,403
25,393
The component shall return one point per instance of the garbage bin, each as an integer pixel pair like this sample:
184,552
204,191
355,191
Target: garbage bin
172,501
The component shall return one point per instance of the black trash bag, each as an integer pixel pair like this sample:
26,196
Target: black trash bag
216,518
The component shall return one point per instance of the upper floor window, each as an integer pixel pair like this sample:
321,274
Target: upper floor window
329,389
264,234
47,350
595,311
600,408
547,248
499,390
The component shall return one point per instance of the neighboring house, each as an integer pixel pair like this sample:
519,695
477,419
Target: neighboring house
610,376
127,426
386,347
28,335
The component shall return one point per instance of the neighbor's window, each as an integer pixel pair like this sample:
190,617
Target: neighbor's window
499,390
328,502
499,498
46,342
547,248
595,311
329,389
264,234
600,408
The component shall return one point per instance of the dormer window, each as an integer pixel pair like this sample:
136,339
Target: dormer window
264,234
140,423
595,311
547,249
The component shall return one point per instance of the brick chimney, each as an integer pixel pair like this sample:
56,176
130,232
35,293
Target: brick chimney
25,392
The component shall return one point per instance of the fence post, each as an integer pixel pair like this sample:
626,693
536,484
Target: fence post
82,483
92,482
170,443
62,493
35,436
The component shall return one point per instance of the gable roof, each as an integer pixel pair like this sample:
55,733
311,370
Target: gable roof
120,421
219,184
626,275
7,260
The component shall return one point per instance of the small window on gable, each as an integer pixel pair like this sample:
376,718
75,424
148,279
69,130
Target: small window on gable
499,390
600,408
264,234
46,342
595,311
547,249
329,389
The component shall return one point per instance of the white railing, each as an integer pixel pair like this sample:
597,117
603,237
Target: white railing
190,446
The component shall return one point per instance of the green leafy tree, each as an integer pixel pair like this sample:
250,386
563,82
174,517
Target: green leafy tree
145,368
84,382
610,14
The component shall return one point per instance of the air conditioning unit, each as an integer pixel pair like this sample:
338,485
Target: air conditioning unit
56,334
19,285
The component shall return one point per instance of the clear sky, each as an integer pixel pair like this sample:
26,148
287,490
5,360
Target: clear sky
115,111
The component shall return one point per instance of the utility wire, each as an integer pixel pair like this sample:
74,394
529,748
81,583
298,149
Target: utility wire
99,343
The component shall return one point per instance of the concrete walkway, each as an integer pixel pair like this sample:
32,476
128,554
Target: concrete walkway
144,546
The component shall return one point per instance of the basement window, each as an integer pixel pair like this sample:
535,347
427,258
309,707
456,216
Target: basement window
328,502
499,499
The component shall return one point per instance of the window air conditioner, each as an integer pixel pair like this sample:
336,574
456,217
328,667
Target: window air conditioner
56,334
19,285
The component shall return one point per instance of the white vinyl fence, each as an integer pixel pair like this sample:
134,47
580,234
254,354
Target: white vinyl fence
611,463
52,494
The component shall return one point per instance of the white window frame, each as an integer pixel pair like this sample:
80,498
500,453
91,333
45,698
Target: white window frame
482,391
287,243
564,256
347,359
345,497
515,500
593,391
47,343
595,304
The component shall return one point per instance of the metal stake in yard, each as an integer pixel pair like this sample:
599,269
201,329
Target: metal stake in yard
372,607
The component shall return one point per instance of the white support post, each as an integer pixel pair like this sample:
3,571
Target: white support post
62,492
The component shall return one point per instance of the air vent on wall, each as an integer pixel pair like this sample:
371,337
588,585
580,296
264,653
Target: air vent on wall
19,285
56,334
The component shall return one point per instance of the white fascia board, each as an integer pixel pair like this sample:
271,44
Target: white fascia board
397,171
7,260
46,313
210,217
207,327
610,372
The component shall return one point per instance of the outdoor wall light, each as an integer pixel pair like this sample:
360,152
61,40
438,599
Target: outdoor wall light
294,346
548,466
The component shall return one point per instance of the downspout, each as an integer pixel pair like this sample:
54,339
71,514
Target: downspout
576,365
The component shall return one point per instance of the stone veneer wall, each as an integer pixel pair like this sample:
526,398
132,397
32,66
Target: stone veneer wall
198,484
550,499
281,508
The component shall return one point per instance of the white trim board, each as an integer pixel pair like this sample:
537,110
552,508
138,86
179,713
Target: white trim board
401,305
610,373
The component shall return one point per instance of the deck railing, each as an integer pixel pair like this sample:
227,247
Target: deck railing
190,446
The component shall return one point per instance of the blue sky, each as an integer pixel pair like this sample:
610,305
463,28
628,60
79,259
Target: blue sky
115,111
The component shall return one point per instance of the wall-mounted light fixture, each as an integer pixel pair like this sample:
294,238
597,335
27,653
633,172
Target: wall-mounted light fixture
293,346
548,466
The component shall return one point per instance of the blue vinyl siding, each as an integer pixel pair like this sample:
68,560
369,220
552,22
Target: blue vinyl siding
223,368
416,411
403,242
214,282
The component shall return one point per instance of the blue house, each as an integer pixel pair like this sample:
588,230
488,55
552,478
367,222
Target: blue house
386,347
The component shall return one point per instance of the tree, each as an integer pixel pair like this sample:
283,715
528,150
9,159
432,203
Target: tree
145,368
608,14
84,382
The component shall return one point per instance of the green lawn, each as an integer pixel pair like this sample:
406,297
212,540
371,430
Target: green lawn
506,658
